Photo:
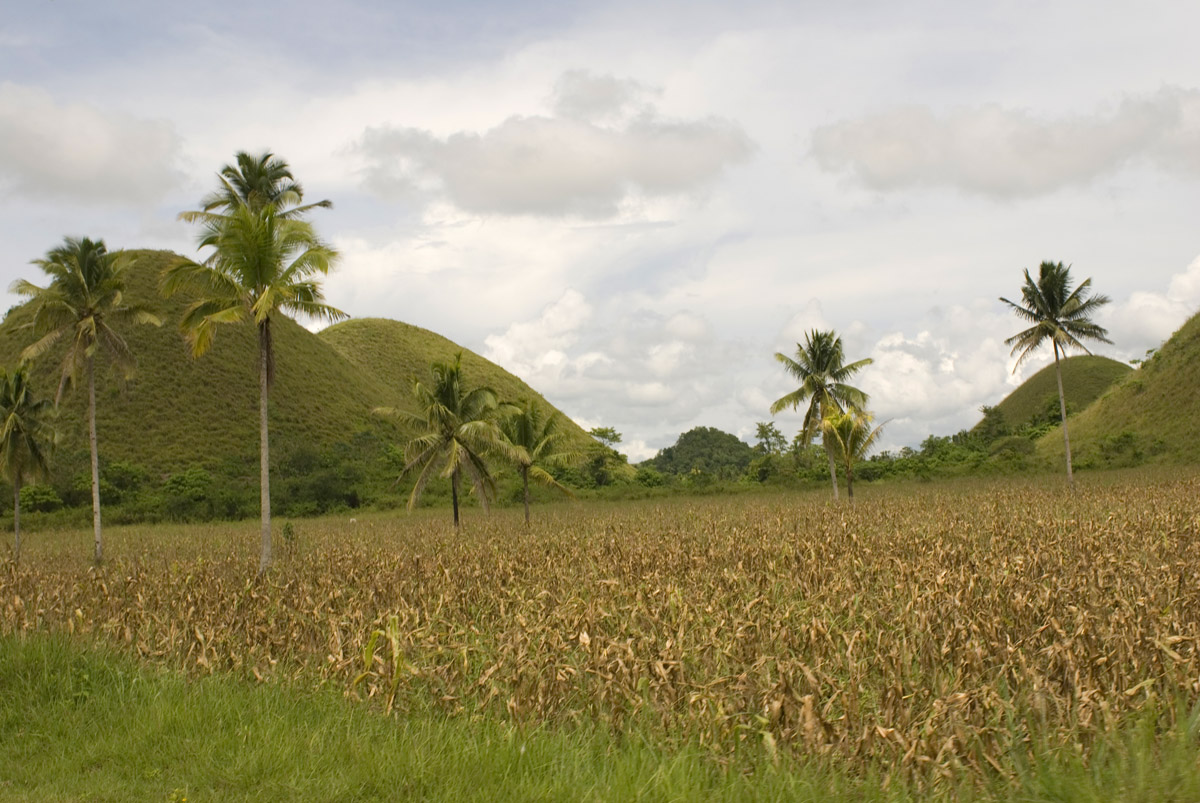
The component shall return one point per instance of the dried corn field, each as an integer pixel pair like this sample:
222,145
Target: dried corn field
932,629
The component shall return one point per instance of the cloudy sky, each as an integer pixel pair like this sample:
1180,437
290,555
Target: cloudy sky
634,205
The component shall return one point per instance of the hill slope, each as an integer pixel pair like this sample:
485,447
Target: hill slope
179,412
397,354
1151,413
1085,378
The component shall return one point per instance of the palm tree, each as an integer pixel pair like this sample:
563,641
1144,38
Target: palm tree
456,431
1058,314
263,263
256,181
25,438
539,443
852,437
84,300
821,370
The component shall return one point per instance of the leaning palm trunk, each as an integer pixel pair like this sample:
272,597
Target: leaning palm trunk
264,346
91,372
454,495
17,519
1062,408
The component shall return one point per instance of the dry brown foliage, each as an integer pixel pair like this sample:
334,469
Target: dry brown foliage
930,629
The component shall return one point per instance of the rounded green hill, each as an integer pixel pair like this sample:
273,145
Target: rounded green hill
1085,378
178,412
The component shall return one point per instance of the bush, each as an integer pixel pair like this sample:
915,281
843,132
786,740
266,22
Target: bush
40,499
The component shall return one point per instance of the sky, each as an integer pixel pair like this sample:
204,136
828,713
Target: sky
633,206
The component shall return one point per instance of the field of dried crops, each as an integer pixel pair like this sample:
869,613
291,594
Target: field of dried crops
932,629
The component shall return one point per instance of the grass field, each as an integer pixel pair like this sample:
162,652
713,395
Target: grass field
1001,639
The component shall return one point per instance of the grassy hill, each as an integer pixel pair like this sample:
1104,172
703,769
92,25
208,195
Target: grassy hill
397,354
179,413
1085,378
1150,414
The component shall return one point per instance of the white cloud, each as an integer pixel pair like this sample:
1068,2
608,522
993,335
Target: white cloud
535,350
79,152
556,165
581,95
1012,153
1148,318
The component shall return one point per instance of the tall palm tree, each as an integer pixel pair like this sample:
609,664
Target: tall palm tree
852,437
82,303
539,441
1060,315
820,368
26,435
256,181
456,432
263,263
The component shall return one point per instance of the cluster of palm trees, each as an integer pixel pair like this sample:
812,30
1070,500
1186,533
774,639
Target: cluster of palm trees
458,428
836,410
1059,313
262,259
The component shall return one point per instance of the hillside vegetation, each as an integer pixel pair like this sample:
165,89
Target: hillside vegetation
180,414
396,354
1085,378
1150,414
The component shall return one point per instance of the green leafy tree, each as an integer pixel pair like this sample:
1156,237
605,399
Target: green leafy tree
770,439
83,303
851,437
1061,316
263,261
25,438
539,442
456,431
820,367
606,435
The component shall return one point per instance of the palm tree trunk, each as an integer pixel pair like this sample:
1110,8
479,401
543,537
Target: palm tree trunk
91,373
264,454
832,472
849,483
17,519
454,496
525,483
1062,408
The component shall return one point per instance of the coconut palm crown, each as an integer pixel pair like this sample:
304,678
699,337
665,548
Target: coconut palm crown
256,181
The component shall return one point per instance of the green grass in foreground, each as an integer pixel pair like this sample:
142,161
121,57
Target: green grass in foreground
85,724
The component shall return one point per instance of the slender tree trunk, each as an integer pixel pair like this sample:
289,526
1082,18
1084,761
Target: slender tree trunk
454,496
91,374
832,471
16,518
1062,408
849,484
525,482
264,453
